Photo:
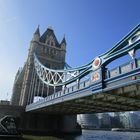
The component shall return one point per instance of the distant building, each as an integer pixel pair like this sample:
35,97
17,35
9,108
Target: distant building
105,120
134,120
115,120
130,120
124,119
88,121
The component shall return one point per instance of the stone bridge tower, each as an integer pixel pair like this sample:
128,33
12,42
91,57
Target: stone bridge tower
50,52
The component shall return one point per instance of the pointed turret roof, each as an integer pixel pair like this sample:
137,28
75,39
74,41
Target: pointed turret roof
63,40
48,32
37,31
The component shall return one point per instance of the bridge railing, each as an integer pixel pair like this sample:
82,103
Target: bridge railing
67,90
122,69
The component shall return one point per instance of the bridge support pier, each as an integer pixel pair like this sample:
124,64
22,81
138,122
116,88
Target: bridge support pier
39,123
68,124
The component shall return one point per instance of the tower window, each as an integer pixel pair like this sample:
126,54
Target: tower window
46,50
52,44
54,51
48,42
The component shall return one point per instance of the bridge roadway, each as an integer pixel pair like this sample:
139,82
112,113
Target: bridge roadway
113,90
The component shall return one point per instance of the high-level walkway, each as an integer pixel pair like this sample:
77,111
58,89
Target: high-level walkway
92,88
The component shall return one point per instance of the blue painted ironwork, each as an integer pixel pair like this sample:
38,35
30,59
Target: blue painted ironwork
101,79
87,88
54,77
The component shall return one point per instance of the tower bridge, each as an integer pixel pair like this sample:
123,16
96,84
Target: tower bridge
91,88
104,90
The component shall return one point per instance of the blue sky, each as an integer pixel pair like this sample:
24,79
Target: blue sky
91,28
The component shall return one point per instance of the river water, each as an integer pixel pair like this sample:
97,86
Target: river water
104,135
91,135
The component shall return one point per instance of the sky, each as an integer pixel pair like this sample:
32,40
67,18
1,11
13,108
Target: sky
91,28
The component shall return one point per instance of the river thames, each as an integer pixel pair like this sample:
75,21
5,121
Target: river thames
98,135
107,135
90,135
